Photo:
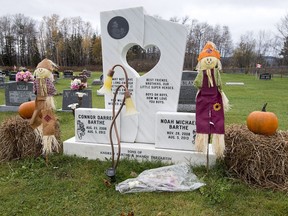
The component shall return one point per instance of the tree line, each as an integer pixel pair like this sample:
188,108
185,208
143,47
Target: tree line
72,42
68,42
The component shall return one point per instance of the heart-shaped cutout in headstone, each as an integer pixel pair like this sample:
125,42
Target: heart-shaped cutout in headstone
143,60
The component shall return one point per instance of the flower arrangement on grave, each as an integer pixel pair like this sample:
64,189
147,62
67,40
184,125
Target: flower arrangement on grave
79,82
25,76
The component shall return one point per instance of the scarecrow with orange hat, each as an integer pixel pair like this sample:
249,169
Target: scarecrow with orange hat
210,101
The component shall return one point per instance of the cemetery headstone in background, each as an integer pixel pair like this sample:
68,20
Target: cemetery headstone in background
265,76
12,76
17,93
7,72
188,92
70,97
2,81
98,81
68,74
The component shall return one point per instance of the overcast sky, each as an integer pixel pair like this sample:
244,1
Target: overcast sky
241,16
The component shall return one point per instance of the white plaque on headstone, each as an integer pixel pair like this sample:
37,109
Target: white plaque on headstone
175,130
93,125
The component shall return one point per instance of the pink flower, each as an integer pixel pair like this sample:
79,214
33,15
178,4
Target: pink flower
24,76
77,84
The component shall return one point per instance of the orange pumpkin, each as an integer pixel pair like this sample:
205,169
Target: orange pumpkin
262,122
26,109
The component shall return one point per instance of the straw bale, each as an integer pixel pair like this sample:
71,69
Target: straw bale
257,159
18,140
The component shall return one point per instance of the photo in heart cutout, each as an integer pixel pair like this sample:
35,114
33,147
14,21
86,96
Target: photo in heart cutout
158,89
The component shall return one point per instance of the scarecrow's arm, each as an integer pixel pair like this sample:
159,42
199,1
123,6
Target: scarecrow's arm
198,80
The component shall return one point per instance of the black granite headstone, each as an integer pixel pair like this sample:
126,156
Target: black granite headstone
2,81
70,97
186,102
68,74
12,76
265,76
17,93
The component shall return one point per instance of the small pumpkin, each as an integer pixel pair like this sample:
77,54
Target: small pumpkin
262,122
26,109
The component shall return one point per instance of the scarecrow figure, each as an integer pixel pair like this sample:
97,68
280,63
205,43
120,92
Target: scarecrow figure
43,119
210,101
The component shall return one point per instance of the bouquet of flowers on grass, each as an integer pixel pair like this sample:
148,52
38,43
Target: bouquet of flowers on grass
25,76
79,83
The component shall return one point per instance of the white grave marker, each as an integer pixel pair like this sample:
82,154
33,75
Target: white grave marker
157,90
155,94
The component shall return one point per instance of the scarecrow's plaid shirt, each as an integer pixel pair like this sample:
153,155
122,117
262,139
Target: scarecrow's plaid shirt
51,90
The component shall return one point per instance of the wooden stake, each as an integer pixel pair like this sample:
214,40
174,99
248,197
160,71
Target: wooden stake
46,159
207,157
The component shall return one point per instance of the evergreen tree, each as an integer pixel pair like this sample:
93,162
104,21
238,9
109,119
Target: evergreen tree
9,54
35,56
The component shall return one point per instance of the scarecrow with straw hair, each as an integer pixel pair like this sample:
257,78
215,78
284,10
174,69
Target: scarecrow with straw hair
43,119
210,101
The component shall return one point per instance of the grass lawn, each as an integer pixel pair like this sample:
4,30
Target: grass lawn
75,186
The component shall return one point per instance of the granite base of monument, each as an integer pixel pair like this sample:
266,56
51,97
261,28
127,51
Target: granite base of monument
138,151
174,139
4,108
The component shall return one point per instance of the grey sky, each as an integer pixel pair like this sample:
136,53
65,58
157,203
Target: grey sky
241,16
